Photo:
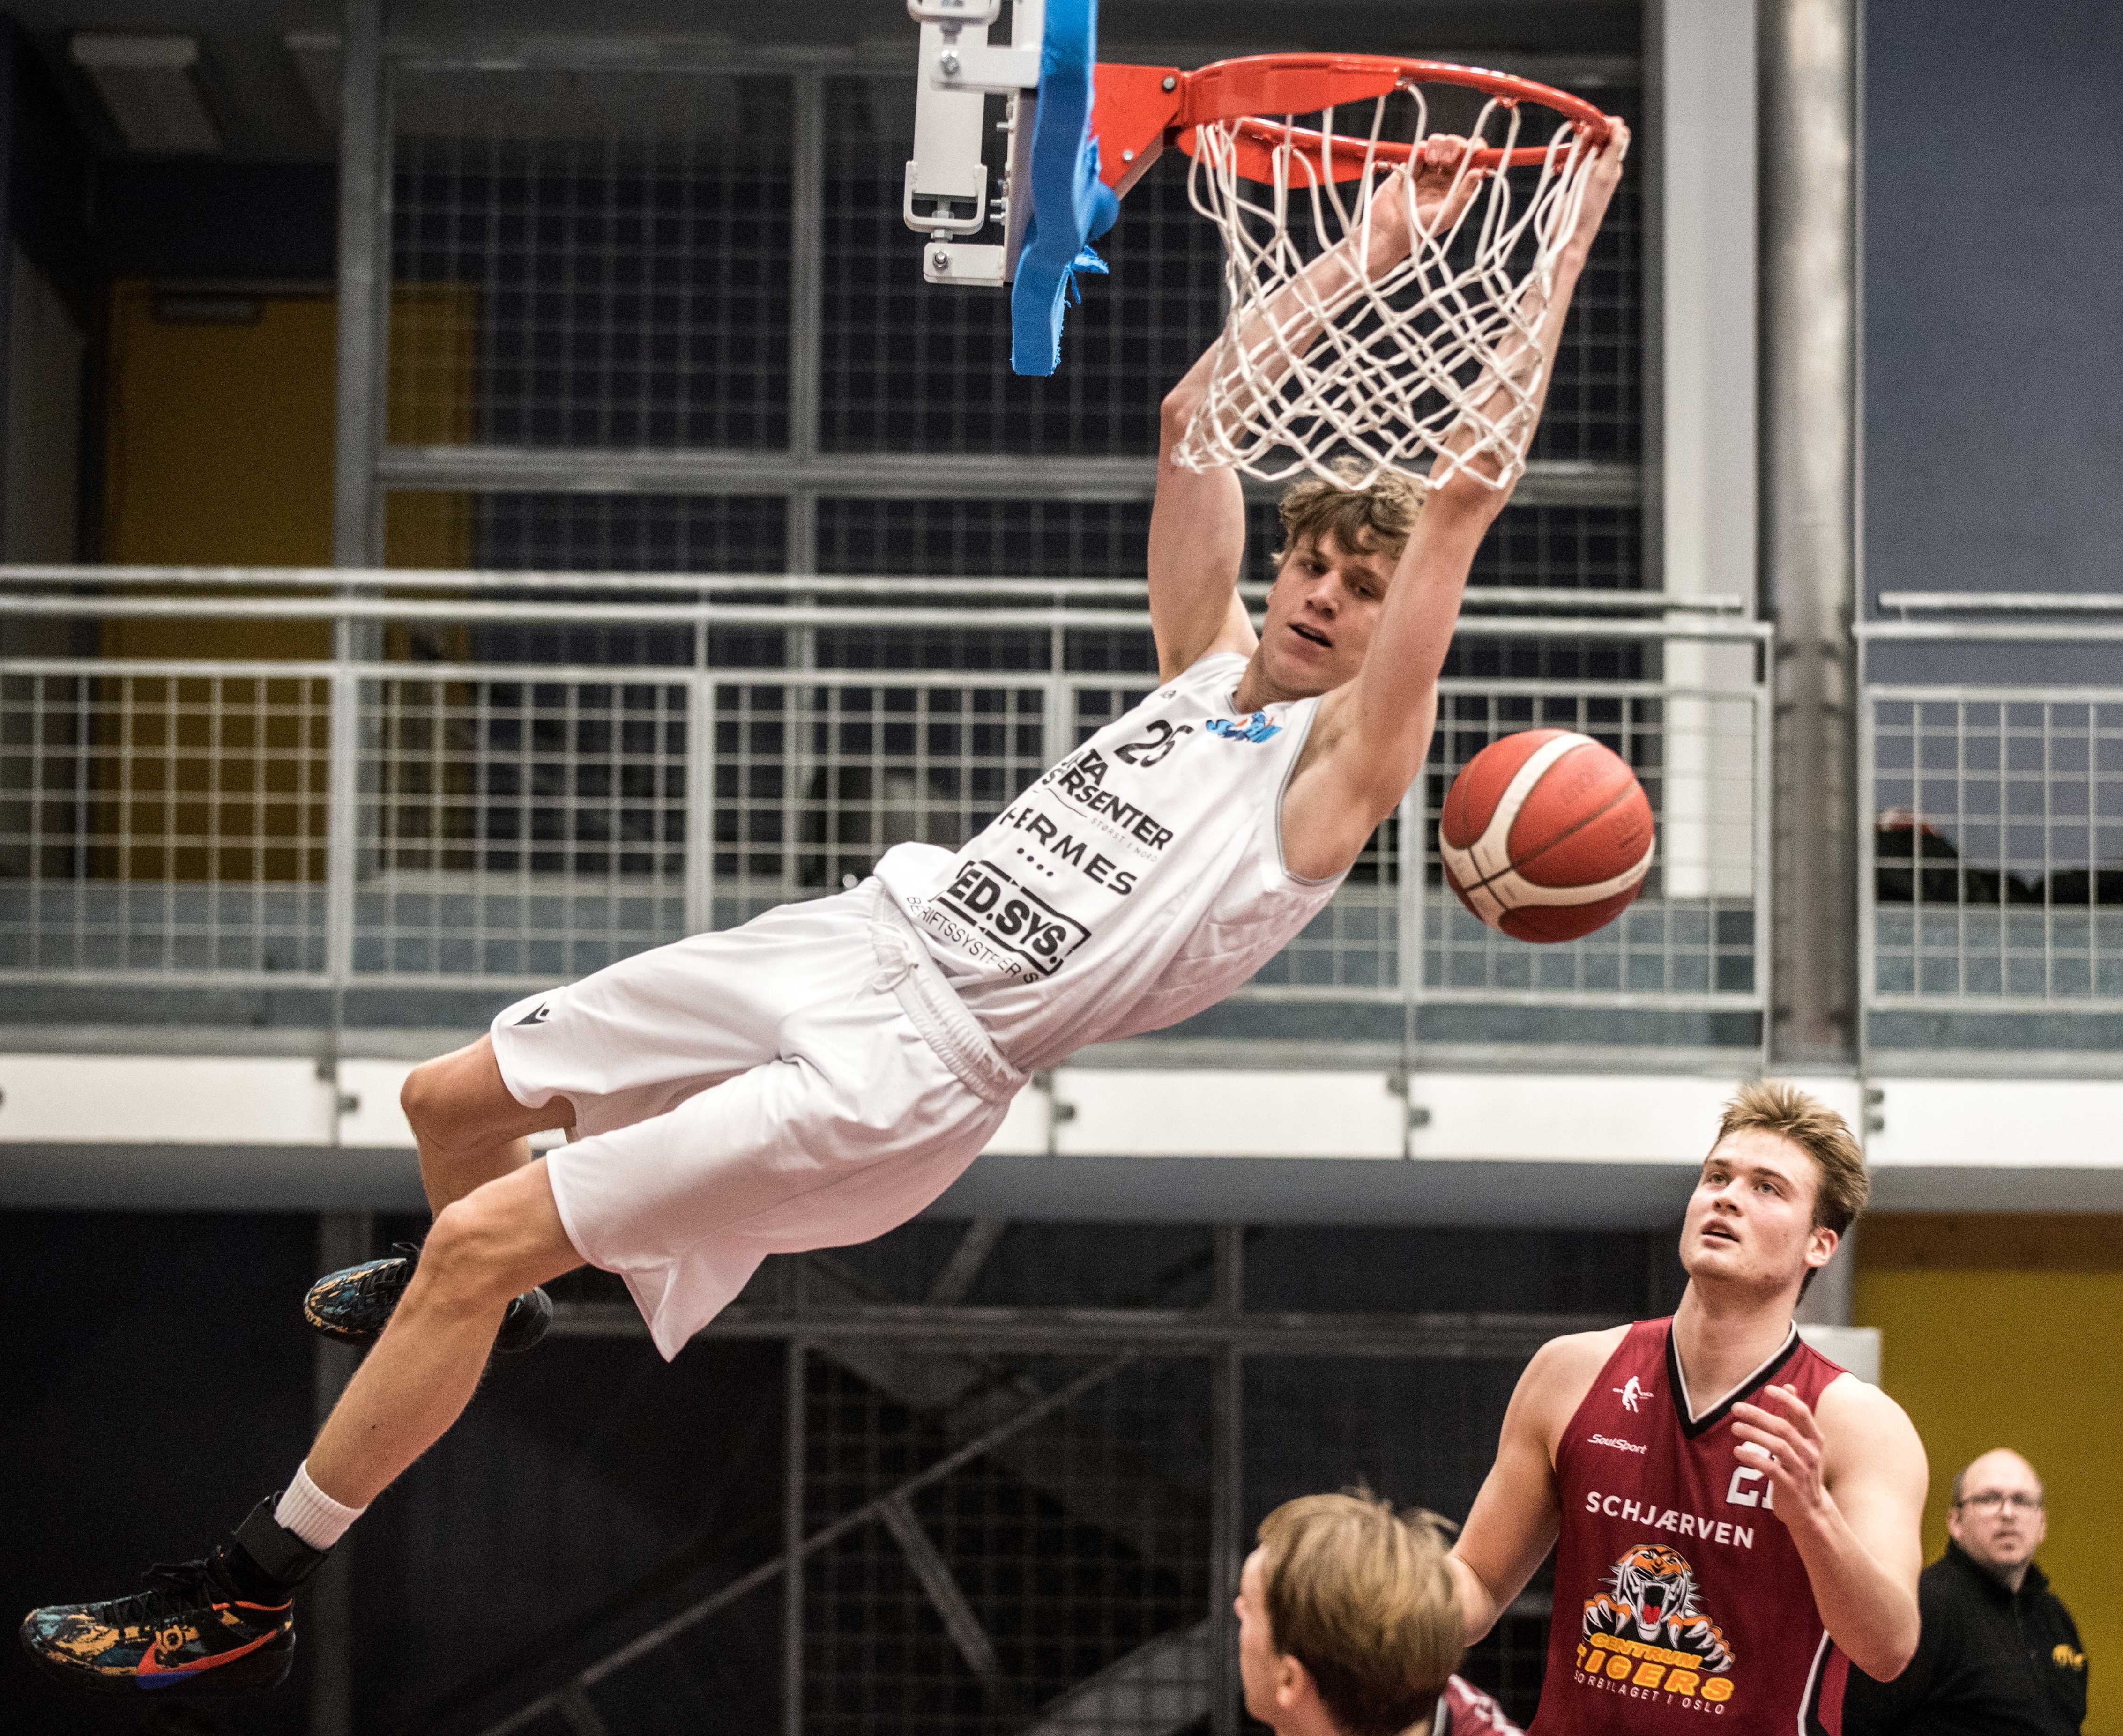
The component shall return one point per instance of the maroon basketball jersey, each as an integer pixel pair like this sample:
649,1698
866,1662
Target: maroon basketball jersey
1464,1710
1681,1601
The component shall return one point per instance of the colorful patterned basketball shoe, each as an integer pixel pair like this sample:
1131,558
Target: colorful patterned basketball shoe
354,1304
221,1625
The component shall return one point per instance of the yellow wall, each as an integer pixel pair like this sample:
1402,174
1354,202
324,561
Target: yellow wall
219,443
219,453
2009,1333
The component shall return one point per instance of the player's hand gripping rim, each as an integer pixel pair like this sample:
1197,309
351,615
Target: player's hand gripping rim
1433,186
1785,1444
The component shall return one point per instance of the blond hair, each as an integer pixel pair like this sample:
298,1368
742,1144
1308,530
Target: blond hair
1770,1105
1364,521
1360,1595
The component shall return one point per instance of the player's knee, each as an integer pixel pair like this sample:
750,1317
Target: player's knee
438,1108
469,1258
422,1098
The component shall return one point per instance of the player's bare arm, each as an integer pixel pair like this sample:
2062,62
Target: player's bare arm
1515,1518
1371,735
1850,1479
1197,527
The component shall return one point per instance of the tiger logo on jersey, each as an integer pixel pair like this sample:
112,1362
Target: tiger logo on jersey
1651,1598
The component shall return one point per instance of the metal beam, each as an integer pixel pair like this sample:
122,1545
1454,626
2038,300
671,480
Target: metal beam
796,1463
364,286
344,1238
581,1715
795,616
966,1259
945,1595
873,1510
1809,323
807,308
881,475
897,587
1072,1460
1152,1332
1227,1399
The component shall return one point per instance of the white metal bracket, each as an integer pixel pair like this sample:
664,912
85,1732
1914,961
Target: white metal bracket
962,262
947,197
977,67
946,182
952,13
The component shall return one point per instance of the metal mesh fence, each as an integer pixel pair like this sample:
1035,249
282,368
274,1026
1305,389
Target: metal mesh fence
813,782
1560,548
604,255
600,258
1053,1583
1052,538
545,531
1595,409
518,827
540,816
907,366
1997,849
162,820
1564,548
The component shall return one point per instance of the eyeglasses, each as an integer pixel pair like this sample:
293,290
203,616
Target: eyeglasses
1995,1500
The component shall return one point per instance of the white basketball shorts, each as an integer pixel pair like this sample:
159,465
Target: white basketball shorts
808,1080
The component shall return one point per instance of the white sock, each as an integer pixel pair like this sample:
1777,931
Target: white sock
311,1515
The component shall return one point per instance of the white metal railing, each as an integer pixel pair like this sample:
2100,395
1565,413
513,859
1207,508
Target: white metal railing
424,810
1991,814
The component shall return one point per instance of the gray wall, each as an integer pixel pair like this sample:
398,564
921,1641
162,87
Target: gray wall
1994,296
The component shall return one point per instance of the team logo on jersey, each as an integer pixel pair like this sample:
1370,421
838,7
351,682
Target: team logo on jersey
1633,1394
1011,916
1647,1633
1082,773
537,1015
1256,728
1081,780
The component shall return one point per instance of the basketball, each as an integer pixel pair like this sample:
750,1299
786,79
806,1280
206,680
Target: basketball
1546,835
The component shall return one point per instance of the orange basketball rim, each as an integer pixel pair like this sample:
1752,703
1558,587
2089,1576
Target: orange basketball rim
1139,109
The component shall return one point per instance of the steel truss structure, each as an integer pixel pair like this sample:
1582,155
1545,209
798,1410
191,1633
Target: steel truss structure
1071,1410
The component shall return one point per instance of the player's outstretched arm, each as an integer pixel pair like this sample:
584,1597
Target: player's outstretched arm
1197,525
1514,1519
1849,1481
1197,540
1371,738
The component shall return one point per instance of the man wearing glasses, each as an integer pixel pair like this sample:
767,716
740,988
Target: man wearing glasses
2000,1654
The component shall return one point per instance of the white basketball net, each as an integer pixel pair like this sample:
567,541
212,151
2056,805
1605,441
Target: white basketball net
1385,370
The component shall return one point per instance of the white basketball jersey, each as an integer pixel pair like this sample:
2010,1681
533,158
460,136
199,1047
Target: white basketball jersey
1138,881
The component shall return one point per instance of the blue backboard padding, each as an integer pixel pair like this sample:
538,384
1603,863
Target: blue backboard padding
1070,204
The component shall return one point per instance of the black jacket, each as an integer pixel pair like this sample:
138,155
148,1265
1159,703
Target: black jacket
1991,1662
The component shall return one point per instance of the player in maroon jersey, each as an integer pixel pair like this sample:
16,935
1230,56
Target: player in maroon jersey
1736,1517
1348,1625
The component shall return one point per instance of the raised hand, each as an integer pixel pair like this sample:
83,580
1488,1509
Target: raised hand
1600,184
1782,1438
1441,191
1431,189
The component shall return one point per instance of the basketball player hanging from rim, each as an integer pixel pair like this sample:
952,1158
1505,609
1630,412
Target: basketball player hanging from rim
821,1074
1735,1516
